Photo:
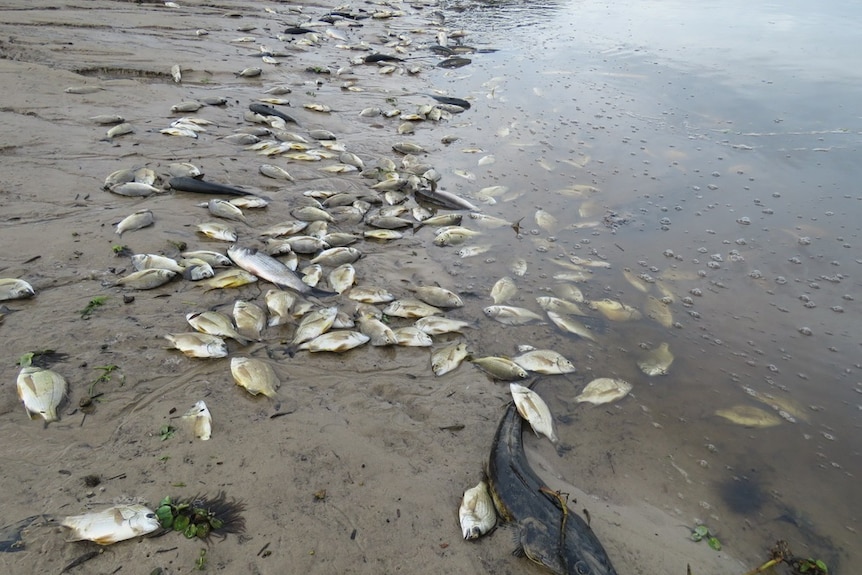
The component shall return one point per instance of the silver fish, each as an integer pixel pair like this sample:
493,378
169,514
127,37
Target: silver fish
657,361
410,308
370,294
438,296
215,323
249,318
337,256
378,332
512,315
615,310
268,268
342,278
201,419
503,290
232,278
41,391
534,409
113,524
604,390
288,228
559,305
217,231
570,325
155,262
314,324
275,172
477,513
134,189
500,368
195,344
448,358
255,375
136,221
544,361
225,209
120,130
436,325
335,341
13,288
279,302
411,336
147,279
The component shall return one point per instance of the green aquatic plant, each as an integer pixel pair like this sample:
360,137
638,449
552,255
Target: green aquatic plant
701,532
96,302
201,517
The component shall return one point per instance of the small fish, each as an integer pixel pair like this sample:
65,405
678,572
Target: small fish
196,269
570,325
251,72
13,288
503,290
279,303
249,318
136,221
411,336
436,325
438,296
275,172
335,341
311,214
370,294
147,279
615,310
195,344
378,332
477,513
559,305
473,251
41,391
569,292
287,228
314,324
233,278
512,315
107,119
118,177
544,361
201,419
184,170
186,106
382,234
225,209
500,368
448,358
120,130
134,189
604,390
657,361
453,236
337,256
546,221
113,524
255,375
749,416
272,270
636,282
215,323
410,308
217,231
176,73
342,278
155,262
534,409
658,311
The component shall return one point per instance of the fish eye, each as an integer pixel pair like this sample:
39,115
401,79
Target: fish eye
151,515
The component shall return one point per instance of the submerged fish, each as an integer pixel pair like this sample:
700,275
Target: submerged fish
476,513
544,361
546,530
534,409
268,268
255,375
657,361
500,368
41,390
615,311
503,290
749,416
113,524
604,390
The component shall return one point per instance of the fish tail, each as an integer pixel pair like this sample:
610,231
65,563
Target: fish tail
317,292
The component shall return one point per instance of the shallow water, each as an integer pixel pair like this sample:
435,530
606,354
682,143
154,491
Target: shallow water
686,120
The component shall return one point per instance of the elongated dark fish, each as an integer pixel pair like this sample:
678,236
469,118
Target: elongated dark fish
265,110
197,186
267,267
450,100
444,198
298,30
548,533
454,62
377,57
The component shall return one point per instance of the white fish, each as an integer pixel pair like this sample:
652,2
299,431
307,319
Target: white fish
194,344
436,325
147,279
559,305
249,318
342,278
41,390
500,368
379,333
370,294
570,325
604,390
438,296
335,341
544,361
448,358
215,323
201,420
217,231
411,336
534,409
255,375
511,315
615,310
13,288
503,290
113,524
314,324
477,514
657,361
225,209
143,262
279,302
410,308
136,221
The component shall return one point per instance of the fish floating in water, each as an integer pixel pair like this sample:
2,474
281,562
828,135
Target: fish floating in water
749,416
604,390
656,361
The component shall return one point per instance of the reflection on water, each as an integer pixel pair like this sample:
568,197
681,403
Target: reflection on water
712,152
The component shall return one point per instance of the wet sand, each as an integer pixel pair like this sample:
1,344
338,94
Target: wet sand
368,426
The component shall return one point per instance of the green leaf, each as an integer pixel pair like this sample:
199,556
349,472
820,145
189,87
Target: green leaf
26,359
181,523
822,566
695,536
702,530
714,543
191,531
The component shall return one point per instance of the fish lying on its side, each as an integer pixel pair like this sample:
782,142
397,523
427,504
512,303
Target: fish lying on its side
268,268
113,524
558,539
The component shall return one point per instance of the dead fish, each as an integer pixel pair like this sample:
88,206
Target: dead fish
275,172
118,177
438,296
233,278
134,190
377,57
250,202
658,311
749,416
503,290
255,375
215,323
519,267
196,270
279,304
370,295
176,73
185,107
214,259
195,344
41,391
635,281
448,358
155,262
453,236
107,119
477,513
786,407
251,72
120,130
322,135
314,324
615,310
454,62
113,524
224,209
604,390
569,292
412,336
13,288
249,318
201,419
217,231
559,305
337,256
378,332
410,308
500,368
272,270
408,148
546,221
311,214
436,325
147,279
657,361
184,170
512,315
342,278
288,228
444,199
570,325
473,251
198,186
335,341
544,361
534,409
136,221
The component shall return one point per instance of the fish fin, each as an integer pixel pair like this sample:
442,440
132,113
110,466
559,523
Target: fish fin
317,292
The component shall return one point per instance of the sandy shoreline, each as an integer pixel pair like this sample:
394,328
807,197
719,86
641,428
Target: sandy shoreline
366,426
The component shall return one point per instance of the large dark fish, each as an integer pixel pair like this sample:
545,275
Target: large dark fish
267,267
454,62
298,30
377,57
443,198
265,110
547,532
198,186
452,101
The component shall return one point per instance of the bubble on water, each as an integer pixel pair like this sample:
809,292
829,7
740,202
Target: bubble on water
713,265
687,301
804,297
847,297
828,436
810,304
804,241
795,260
741,242
805,331
745,221
701,273
716,175
712,187
694,314
711,448
772,367
837,309
768,211
786,416
781,280
664,221
696,292
755,274
703,463
668,253
776,195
